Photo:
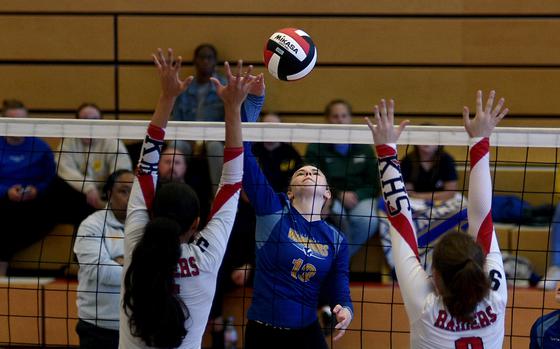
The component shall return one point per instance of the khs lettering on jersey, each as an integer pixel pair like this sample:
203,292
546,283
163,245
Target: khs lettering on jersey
150,155
396,197
481,319
187,268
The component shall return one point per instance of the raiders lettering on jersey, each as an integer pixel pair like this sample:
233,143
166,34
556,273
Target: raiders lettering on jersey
480,319
187,268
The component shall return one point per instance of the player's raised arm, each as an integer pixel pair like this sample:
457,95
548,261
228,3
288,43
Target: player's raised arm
224,207
480,186
143,189
255,184
481,227
413,280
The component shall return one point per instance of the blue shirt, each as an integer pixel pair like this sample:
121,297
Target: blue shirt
211,107
28,163
295,259
545,333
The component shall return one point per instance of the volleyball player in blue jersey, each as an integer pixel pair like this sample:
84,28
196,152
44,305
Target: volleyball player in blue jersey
297,255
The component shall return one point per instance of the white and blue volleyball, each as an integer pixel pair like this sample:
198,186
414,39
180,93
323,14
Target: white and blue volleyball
290,54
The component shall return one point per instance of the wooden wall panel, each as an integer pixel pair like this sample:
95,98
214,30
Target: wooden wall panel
61,313
413,7
374,314
352,40
415,90
56,37
20,313
58,87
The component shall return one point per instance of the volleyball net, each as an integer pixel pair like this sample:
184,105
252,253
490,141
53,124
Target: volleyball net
38,298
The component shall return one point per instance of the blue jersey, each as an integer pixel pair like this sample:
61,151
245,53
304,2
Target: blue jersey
545,333
296,260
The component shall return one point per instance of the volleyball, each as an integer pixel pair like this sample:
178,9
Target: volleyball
290,54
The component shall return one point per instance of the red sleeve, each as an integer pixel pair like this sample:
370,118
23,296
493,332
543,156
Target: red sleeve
413,280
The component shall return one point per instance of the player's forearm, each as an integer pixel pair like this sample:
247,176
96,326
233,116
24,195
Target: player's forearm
163,110
480,192
399,210
234,138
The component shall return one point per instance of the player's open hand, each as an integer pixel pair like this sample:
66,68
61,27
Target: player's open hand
343,319
238,86
485,118
384,129
259,86
168,69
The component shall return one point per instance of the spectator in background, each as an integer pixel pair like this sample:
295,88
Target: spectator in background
174,167
85,163
552,276
429,173
99,249
277,160
26,173
173,162
351,170
200,102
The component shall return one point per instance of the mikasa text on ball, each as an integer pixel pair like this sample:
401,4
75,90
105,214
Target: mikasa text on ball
290,54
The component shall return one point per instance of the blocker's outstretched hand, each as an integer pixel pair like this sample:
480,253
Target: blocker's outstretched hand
171,85
384,130
238,85
485,119
168,69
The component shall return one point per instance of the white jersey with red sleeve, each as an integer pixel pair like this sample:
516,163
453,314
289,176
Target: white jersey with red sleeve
431,326
200,260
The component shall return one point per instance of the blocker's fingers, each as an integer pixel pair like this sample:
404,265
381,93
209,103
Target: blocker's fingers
187,81
498,107
162,58
248,71
490,102
391,110
156,61
502,115
369,123
377,115
478,101
402,126
170,56
178,63
217,84
383,110
227,68
466,117
239,70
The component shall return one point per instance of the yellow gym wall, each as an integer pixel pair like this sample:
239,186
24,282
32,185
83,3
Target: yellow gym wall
429,55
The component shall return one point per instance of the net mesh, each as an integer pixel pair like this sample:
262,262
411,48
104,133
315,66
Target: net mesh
38,302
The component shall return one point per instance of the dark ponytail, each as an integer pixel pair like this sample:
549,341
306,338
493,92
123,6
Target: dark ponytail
156,312
459,261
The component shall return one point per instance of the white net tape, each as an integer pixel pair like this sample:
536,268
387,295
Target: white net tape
285,132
